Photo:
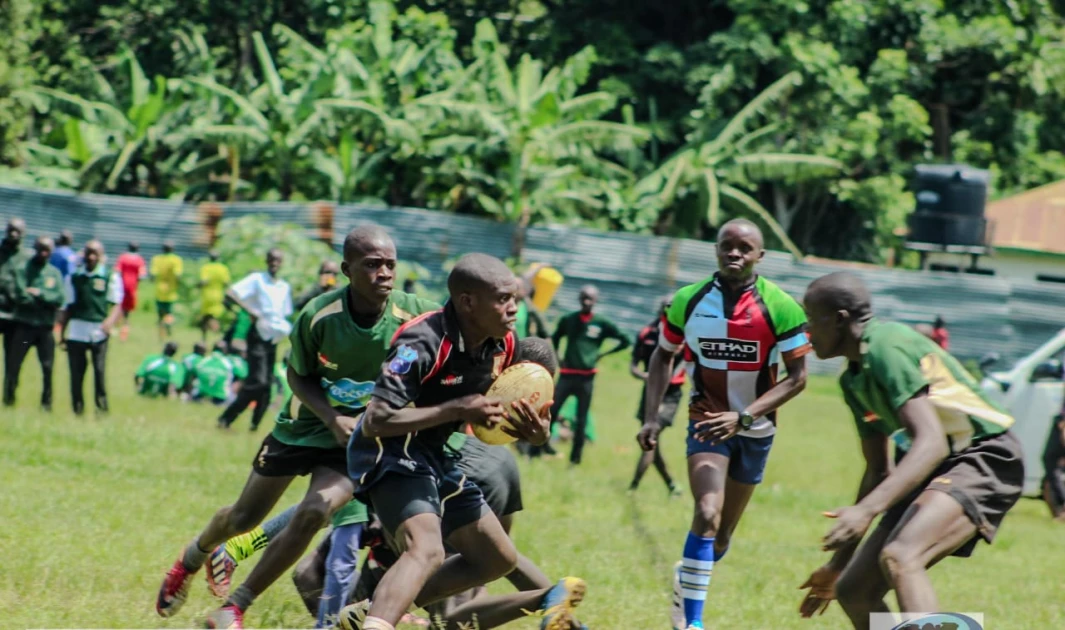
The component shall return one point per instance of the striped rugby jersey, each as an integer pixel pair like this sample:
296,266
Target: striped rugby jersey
736,340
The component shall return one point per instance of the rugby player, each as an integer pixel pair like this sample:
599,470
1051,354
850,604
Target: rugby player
737,326
338,344
958,469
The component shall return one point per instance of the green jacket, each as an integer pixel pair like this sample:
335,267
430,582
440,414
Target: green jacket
47,283
11,261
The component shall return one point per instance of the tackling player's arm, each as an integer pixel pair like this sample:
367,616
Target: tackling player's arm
899,375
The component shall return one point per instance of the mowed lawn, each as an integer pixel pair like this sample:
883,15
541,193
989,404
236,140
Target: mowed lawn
94,510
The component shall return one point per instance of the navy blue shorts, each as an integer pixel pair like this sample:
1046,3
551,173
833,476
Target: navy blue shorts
399,479
747,455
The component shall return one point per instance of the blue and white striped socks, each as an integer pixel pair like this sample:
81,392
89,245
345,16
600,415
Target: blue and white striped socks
695,570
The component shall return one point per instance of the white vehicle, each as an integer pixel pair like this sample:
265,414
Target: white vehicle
1032,392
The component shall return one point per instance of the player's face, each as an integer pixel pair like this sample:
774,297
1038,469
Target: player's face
91,256
824,328
372,273
495,310
739,248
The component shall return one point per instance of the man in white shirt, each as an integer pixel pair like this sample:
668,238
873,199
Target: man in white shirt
93,304
268,300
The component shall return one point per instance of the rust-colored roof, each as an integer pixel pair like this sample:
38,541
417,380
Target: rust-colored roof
1032,220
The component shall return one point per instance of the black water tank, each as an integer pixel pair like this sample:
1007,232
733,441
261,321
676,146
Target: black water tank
950,205
946,229
950,189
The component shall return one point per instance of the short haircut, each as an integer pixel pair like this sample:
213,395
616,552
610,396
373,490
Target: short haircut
220,346
477,272
170,349
168,246
134,246
275,252
66,237
842,291
539,351
199,347
362,238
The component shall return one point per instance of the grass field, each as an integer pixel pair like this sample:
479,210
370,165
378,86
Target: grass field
94,510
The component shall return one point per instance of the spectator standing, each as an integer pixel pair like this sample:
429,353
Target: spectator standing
39,296
94,299
268,301
11,261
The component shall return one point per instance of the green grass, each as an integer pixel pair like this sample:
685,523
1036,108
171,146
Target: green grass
94,510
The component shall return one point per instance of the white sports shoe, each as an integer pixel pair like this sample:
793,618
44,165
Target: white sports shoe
676,610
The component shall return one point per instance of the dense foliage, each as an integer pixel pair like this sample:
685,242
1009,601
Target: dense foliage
805,115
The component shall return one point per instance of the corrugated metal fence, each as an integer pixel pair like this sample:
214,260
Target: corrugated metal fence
984,314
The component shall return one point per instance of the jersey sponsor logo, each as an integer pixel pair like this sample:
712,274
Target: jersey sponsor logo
405,357
326,363
409,464
707,315
870,417
451,379
49,283
728,349
593,331
347,393
99,284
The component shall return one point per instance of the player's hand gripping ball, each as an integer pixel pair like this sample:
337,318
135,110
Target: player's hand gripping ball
523,380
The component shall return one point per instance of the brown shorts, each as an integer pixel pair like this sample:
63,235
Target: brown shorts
986,479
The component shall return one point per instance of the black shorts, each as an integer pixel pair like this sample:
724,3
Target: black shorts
277,459
667,410
397,497
495,471
986,479
399,479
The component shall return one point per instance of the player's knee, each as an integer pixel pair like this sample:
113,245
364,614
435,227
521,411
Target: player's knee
429,554
707,515
309,518
898,559
502,562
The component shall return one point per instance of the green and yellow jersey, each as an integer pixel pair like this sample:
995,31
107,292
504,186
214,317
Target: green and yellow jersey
897,364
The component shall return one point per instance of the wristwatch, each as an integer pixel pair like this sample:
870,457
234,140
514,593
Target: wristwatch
746,420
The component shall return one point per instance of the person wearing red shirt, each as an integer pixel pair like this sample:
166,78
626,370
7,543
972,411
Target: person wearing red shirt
131,267
940,334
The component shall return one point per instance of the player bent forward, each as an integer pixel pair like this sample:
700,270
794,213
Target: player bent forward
443,363
958,471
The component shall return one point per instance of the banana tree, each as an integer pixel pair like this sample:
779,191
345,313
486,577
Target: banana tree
717,166
523,132
117,137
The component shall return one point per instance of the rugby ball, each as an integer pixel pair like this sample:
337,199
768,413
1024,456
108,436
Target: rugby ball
523,380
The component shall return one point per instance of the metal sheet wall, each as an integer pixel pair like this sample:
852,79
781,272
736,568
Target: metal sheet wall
633,272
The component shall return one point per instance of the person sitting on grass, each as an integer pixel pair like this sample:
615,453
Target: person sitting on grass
160,374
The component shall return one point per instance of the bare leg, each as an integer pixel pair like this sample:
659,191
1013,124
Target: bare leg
707,473
328,492
861,587
309,576
491,611
421,552
485,553
660,466
259,496
932,528
737,495
642,464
